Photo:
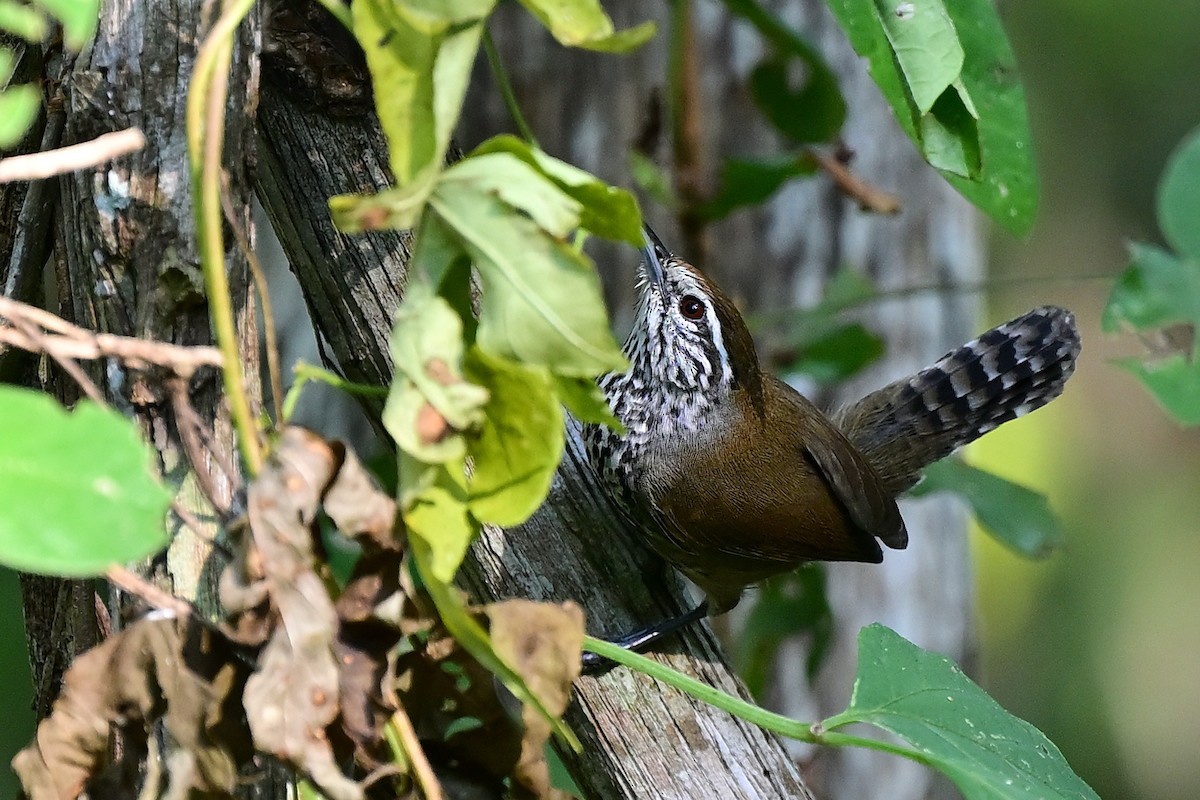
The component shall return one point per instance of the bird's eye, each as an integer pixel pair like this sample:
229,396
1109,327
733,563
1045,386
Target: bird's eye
691,307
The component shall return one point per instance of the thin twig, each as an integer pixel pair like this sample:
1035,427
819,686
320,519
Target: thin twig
274,370
71,158
188,424
27,323
868,197
407,739
133,584
39,343
506,90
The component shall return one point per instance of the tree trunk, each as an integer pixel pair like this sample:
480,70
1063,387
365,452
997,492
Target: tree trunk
640,739
126,262
589,109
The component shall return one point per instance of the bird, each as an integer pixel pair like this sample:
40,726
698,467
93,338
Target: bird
733,476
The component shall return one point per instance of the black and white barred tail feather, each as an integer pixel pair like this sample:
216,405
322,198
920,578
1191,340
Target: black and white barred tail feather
1007,372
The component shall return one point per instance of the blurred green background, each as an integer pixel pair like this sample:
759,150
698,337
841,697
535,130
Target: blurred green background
1100,645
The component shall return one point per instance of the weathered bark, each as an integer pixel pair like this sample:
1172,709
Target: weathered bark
590,108
640,739
126,262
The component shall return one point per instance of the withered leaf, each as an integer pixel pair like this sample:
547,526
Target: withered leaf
157,668
293,697
441,686
363,512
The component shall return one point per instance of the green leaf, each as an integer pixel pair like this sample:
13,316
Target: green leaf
77,493
1156,289
420,64
541,301
520,186
927,52
438,257
585,401
812,112
583,23
604,210
18,109
1175,383
430,404
520,442
391,209
1016,516
437,13
953,725
23,21
78,18
983,112
747,182
840,353
439,517
1179,197
1161,289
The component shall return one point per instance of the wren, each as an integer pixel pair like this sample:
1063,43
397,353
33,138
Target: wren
733,476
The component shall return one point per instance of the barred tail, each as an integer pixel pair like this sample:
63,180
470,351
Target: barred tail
1005,373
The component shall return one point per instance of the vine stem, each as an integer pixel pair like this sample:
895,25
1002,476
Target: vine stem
205,133
506,89
811,732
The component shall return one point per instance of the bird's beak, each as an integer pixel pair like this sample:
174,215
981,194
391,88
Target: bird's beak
655,251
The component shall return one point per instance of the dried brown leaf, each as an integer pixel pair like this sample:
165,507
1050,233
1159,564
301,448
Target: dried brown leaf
157,668
542,641
465,718
293,697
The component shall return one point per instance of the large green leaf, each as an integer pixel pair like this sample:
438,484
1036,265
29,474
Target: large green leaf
420,63
78,18
604,210
439,516
583,398
520,186
583,23
953,725
976,132
430,404
541,301
520,442
1018,517
76,489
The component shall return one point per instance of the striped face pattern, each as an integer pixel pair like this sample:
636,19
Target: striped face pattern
679,374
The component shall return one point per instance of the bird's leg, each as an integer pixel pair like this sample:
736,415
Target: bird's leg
641,639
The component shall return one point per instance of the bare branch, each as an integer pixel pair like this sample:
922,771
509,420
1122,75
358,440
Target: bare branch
868,197
72,342
73,157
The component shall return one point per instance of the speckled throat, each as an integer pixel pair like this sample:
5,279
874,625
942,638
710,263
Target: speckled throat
675,388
